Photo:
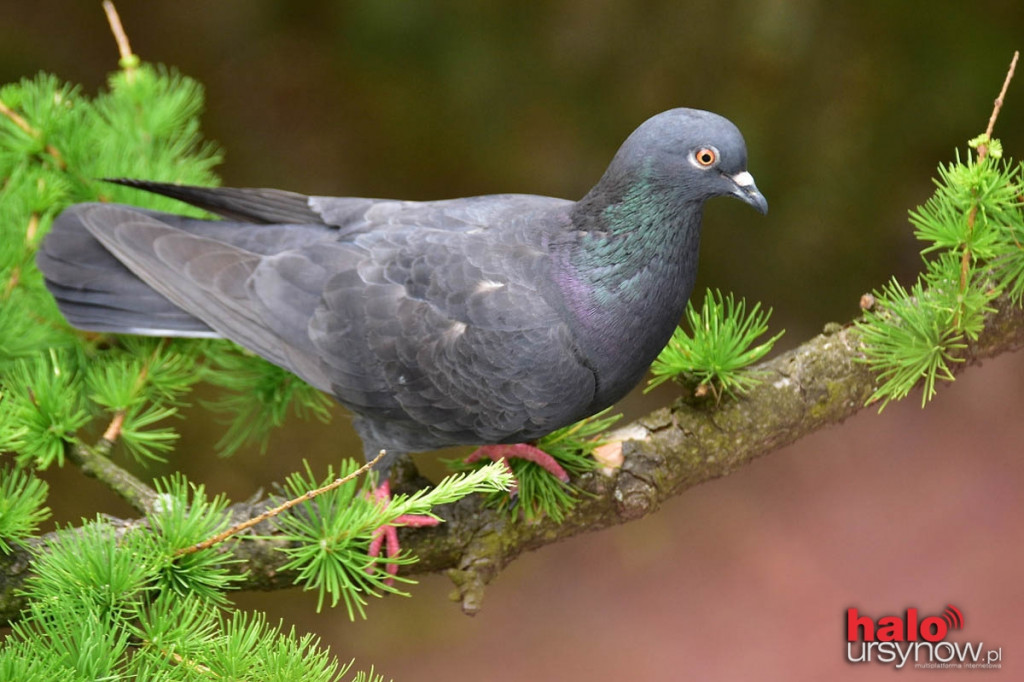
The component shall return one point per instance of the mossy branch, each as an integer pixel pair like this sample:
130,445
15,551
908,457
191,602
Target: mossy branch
819,384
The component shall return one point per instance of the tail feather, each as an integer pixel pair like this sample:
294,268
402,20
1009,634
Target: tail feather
127,270
96,292
261,206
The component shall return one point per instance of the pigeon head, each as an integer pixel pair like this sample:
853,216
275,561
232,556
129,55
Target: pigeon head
628,274
684,156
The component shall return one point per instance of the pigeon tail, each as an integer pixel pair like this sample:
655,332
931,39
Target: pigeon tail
96,292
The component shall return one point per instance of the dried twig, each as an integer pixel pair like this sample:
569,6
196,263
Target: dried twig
999,100
965,258
128,60
113,431
285,506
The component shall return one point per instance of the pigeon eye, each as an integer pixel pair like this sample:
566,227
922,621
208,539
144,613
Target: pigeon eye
706,157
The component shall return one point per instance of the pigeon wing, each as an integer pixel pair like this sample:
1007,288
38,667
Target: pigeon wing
445,337
437,334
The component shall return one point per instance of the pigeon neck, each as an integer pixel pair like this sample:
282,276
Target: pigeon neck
637,236
627,278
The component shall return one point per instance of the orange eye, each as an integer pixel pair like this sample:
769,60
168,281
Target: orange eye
706,156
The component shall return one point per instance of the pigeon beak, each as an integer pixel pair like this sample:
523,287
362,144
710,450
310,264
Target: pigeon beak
748,192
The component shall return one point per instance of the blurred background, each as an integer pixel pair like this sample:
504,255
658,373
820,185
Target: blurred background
847,109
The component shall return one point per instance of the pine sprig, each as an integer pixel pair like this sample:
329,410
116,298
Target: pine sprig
909,338
95,567
98,588
538,493
96,611
329,535
141,382
54,142
28,659
186,517
175,629
269,652
970,227
718,348
22,505
259,397
78,641
40,408
985,187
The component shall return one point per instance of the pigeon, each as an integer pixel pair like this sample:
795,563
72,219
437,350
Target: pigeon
489,320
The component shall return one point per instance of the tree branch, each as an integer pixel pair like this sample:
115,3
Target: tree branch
819,384
95,463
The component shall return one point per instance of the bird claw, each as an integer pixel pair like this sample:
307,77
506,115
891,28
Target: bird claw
386,537
525,451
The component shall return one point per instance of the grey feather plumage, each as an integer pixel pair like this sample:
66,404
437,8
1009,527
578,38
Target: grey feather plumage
492,319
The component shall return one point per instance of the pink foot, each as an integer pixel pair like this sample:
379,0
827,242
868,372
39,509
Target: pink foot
387,536
521,451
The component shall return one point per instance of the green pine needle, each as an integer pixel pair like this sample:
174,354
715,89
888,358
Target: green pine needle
967,306
94,565
55,381
540,494
145,443
908,338
985,188
173,625
71,635
22,499
719,348
329,535
80,642
186,517
258,398
972,227
269,652
31,660
40,408
1009,268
